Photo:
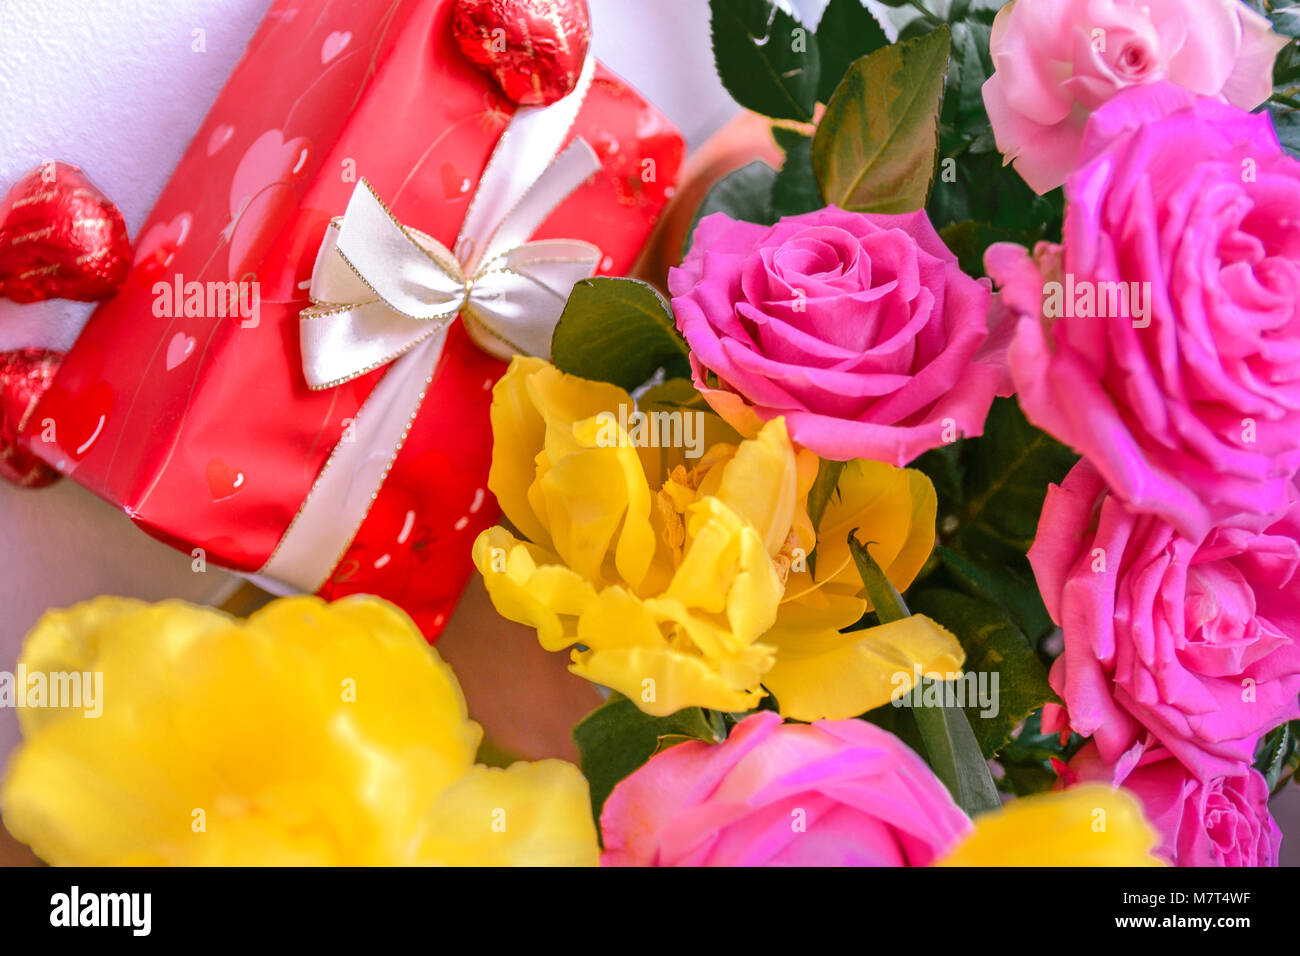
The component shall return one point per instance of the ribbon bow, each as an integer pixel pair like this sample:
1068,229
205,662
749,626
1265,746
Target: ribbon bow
380,288
384,294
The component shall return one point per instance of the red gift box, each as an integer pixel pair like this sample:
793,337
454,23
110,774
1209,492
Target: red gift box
184,400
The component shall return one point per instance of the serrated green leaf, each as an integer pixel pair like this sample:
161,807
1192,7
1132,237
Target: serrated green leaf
745,194
1002,585
985,190
994,646
875,147
617,738
1278,753
619,331
757,51
795,189
1007,472
846,31
1028,758
943,466
969,240
970,65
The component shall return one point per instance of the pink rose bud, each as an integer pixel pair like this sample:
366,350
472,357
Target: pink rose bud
861,330
832,793
1057,61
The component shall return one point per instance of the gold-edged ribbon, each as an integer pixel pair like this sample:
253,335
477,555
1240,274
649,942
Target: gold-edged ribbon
384,294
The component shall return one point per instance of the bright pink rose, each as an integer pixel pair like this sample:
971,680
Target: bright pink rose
832,793
1189,644
860,329
1056,61
1163,340
1219,822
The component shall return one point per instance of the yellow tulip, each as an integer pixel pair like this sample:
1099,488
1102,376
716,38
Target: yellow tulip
312,733
1089,825
686,582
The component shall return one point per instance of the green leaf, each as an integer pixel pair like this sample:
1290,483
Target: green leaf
766,60
996,647
819,495
943,466
846,32
795,190
969,240
745,194
787,137
1003,585
987,191
885,600
1027,759
617,738
1007,472
971,64
1278,754
874,150
617,330
955,756
949,742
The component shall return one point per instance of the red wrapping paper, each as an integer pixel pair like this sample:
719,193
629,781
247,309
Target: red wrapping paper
201,427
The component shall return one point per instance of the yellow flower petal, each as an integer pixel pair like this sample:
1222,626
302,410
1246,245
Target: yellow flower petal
534,409
662,681
308,734
531,587
1089,825
707,429
761,482
725,569
825,675
689,577
894,511
529,814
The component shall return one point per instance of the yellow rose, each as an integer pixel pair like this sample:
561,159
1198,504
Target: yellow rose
310,734
1089,825
684,581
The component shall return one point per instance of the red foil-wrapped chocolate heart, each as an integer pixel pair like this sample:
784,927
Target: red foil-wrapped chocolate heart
60,238
25,374
533,48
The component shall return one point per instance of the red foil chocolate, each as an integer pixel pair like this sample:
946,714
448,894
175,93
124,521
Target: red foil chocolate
25,374
533,48
60,238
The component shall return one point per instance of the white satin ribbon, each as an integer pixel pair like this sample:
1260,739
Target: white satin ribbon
384,294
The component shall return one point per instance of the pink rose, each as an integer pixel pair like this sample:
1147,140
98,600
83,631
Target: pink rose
860,329
1056,61
1189,644
832,793
1163,340
1223,821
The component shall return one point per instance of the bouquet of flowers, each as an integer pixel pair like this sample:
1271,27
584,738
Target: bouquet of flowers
942,509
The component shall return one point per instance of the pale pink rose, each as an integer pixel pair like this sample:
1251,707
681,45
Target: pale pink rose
1057,61
1191,645
861,330
1163,340
832,793
1223,821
